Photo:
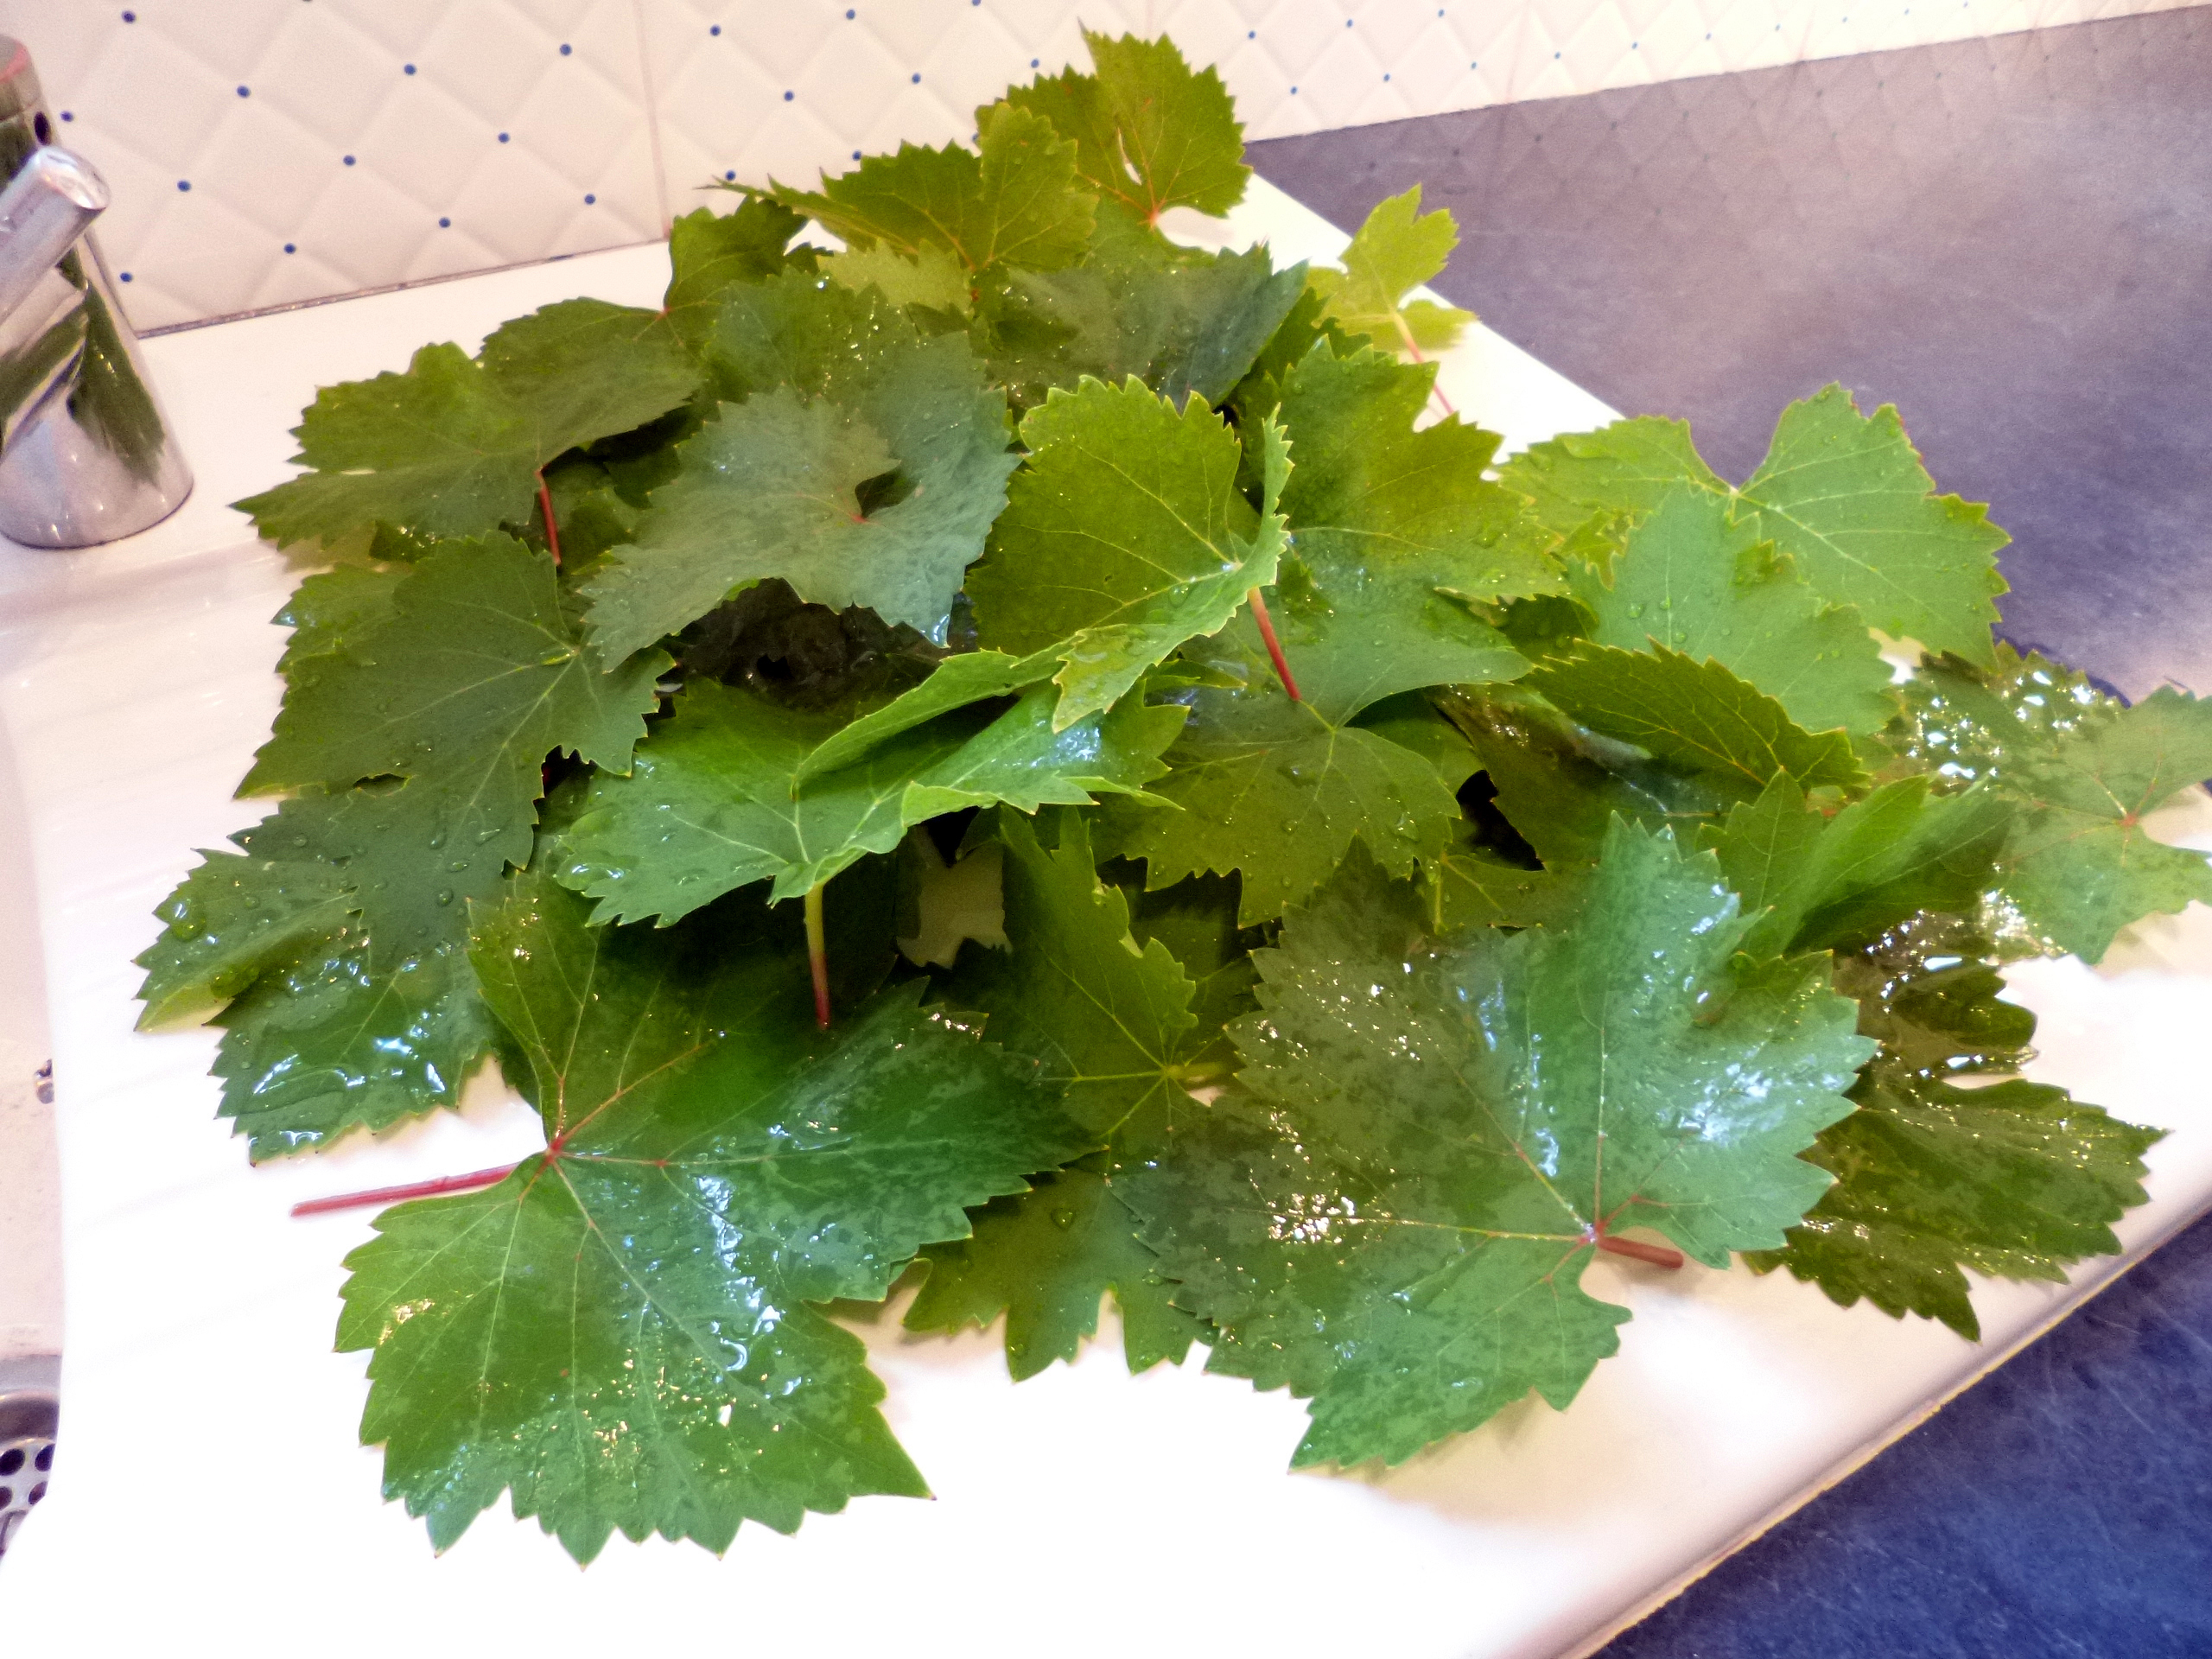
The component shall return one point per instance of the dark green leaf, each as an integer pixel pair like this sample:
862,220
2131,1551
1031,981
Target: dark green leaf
1390,1210
618,1332
709,254
453,447
2015,1180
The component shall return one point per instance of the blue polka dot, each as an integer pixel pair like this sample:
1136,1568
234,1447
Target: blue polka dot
566,49
1347,22
731,175
125,275
918,77
129,16
245,92
1293,91
856,154
787,98
851,15
1251,33
184,184
1632,45
715,30
502,137
590,200
65,115
409,67
349,161
1386,77
445,224
291,248
1033,63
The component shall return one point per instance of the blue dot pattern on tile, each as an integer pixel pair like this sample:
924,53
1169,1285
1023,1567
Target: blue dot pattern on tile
124,274
589,198
129,16
502,137
445,224
291,248
349,161
409,67
244,91
566,49
714,29
184,184
788,97
918,77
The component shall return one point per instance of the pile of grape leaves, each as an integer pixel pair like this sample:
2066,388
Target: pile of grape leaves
825,740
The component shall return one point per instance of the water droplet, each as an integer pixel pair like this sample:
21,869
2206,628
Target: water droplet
445,895
1637,609
458,865
1063,1218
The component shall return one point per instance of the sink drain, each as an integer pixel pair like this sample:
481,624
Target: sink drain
27,1418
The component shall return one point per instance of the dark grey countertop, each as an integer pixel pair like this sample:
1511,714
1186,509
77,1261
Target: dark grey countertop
2010,239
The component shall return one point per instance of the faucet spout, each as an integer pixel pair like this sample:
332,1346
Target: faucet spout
44,211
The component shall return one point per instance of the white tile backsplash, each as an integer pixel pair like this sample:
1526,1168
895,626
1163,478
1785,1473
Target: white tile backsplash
490,132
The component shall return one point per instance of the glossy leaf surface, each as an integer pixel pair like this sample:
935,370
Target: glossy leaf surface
618,1334
1389,1210
1397,249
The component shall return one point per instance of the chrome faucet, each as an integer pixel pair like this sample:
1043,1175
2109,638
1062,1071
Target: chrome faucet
86,454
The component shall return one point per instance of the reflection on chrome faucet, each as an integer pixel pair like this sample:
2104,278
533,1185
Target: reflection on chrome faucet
84,454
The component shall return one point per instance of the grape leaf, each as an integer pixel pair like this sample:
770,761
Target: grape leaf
1558,786
618,1332
1274,791
323,1044
330,611
710,254
1691,581
931,278
1124,536
839,394
2016,1180
1113,1025
1014,200
477,675
1148,132
1842,494
1181,322
1825,881
1467,886
1694,715
714,802
453,447
235,917
2081,771
1397,249
1389,1210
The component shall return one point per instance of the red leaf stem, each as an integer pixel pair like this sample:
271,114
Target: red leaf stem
380,1195
1659,1255
1275,645
817,955
545,506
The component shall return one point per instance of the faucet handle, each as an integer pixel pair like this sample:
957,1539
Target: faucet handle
44,211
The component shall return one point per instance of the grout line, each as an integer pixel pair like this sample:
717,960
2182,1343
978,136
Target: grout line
390,288
653,114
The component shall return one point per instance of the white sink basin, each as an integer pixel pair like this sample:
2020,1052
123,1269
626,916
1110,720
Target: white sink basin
211,1459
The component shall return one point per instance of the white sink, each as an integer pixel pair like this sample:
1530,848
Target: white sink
137,680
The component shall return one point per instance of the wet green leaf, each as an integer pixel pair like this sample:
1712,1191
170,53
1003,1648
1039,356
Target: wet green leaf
1397,249
619,1334
1389,1210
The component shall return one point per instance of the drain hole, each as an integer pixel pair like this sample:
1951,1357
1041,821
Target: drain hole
44,1461
11,1461
38,1491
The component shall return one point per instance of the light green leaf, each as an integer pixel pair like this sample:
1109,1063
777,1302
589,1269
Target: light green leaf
1690,580
1842,494
931,278
1014,201
1390,1210
1397,249
1124,536
1148,132
617,1333
453,447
